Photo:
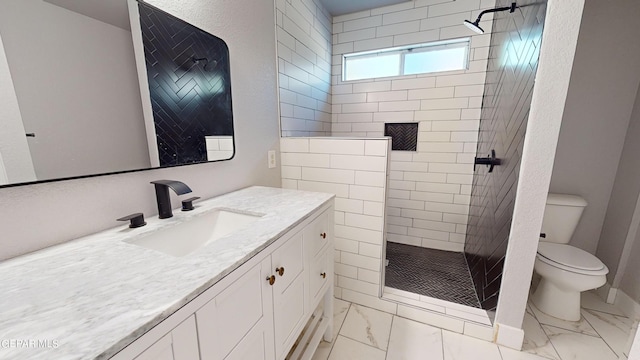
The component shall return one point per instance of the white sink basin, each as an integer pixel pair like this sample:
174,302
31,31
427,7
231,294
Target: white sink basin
184,238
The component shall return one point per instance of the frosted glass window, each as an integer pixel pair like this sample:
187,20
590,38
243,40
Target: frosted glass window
367,67
433,61
426,58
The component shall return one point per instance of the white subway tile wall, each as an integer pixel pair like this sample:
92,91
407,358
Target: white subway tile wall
428,195
303,29
359,226
355,170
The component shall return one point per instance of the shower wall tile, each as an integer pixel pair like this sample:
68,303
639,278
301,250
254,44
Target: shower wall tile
446,106
510,75
355,170
303,33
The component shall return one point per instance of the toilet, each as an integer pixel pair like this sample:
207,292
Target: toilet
565,271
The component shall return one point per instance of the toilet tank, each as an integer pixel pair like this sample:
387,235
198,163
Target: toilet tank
561,216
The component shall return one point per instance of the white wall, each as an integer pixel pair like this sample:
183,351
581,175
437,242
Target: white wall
618,230
46,214
16,159
304,56
429,190
75,79
629,283
604,82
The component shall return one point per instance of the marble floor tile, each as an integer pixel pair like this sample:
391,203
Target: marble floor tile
581,326
412,340
575,346
323,351
614,330
347,349
340,309
536,340
590,300
461,347
368,326
510,354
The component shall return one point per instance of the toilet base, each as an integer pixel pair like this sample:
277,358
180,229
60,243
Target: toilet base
557,302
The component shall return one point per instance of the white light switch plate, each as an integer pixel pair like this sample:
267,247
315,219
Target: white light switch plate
271,155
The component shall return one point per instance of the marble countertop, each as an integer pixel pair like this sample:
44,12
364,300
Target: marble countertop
91,297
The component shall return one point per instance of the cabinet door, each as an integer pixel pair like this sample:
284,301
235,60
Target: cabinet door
319,275
240,311
180,344
289,293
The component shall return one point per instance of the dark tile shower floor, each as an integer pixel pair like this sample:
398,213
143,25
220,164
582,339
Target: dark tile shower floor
435,273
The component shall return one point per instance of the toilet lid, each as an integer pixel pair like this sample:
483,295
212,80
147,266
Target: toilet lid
570,256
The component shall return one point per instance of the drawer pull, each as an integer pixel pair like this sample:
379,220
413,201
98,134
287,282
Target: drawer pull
280,271
271,279
323,235
324,275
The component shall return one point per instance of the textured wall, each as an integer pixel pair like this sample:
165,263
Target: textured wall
47,214
598,109
429,189
513,60
621,220
303,31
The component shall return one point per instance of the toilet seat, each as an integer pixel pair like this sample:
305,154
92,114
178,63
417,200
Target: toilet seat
570,258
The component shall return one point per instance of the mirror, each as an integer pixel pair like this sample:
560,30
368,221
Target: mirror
83,95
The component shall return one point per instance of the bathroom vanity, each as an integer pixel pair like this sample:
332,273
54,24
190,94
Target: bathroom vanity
258,291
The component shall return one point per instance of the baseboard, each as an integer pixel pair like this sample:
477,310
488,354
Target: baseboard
607,293
509,336
627,305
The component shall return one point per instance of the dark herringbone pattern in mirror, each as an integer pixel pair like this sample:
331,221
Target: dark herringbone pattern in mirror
189,81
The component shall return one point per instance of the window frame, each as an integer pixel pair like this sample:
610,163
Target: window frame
409,49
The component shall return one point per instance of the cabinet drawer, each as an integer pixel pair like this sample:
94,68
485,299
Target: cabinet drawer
289,258
317,234
226,319
320,273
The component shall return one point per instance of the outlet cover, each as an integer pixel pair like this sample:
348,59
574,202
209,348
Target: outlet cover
271,155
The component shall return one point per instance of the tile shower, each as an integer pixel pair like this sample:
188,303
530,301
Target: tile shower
428,193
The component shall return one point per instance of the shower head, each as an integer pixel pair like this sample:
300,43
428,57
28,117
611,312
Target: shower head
474,25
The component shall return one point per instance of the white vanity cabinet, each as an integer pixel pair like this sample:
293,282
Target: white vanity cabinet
289,295
179,344
237,322
259,310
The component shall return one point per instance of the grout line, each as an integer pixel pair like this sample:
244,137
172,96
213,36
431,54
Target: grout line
333,342
393,318
597,332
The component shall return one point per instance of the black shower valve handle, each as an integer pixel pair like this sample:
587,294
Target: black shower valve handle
490,160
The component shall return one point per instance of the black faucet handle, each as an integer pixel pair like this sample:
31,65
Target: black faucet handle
187,204
137,220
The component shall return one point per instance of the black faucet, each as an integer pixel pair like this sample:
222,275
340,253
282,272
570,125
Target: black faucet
162,195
